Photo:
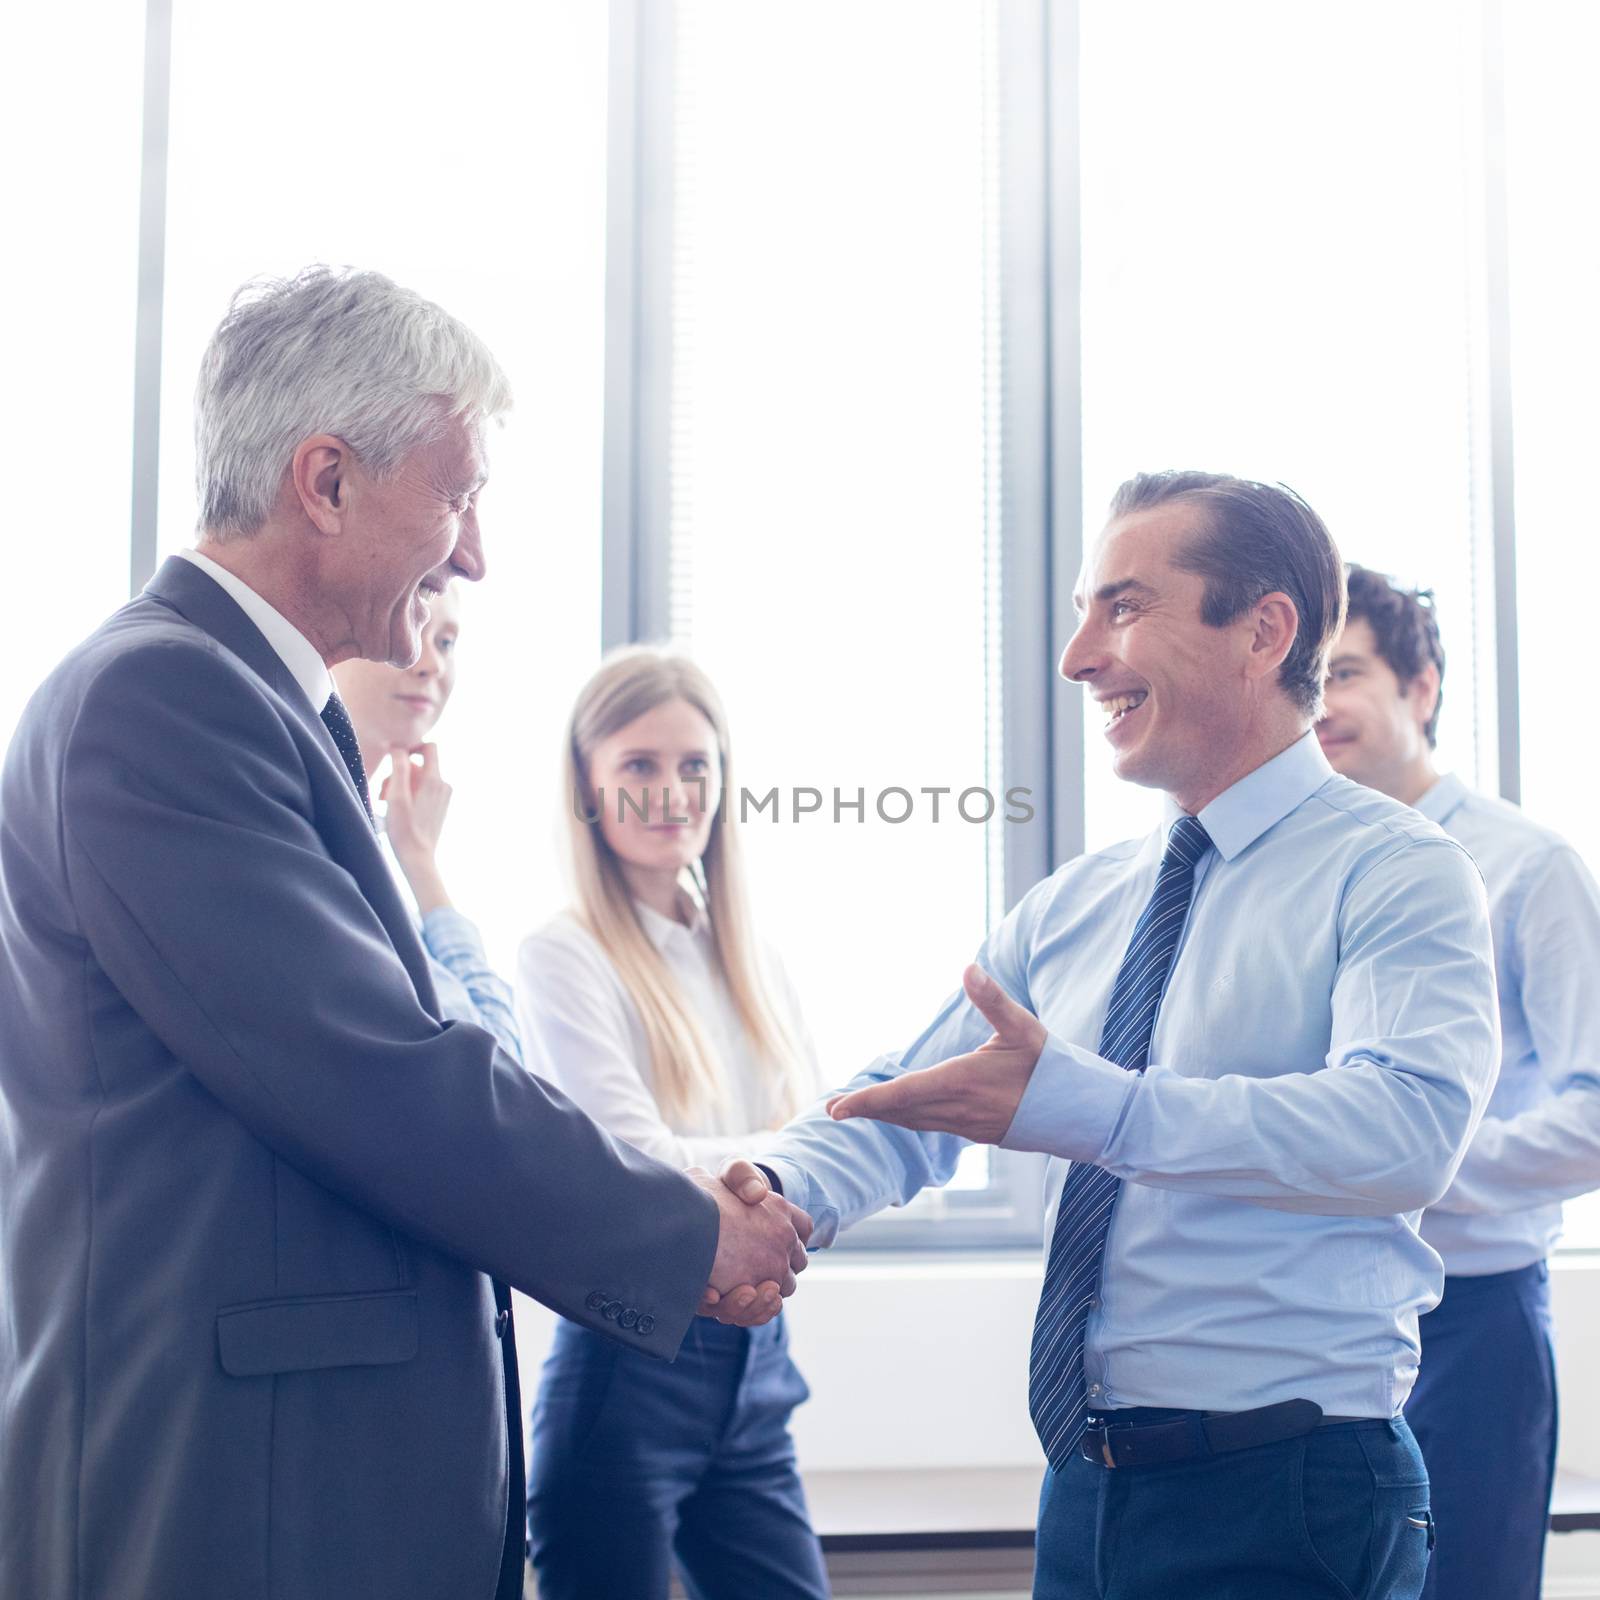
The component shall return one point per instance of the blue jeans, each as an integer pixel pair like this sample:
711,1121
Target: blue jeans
1484,1411
637,1466
1340,1513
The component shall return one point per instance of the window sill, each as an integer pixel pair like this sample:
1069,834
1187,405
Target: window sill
929,1265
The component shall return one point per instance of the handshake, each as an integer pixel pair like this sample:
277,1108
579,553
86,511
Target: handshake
761,1245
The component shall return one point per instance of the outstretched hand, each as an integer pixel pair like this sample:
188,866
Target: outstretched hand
974,1095
761,1246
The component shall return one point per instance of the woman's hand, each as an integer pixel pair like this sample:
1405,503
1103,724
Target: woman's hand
417,798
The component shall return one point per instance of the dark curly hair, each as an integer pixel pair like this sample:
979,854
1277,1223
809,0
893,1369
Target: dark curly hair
1405,626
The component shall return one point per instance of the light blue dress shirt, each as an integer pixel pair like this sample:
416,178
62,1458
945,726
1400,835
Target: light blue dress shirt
1326,1044
467,986
1539,1141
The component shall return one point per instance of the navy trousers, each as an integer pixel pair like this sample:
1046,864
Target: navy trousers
1338,1514
1484,1412
637,1466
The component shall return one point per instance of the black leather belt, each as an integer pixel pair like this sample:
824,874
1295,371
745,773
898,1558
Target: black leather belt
1109,1443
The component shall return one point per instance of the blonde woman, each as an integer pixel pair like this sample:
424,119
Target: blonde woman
652,1004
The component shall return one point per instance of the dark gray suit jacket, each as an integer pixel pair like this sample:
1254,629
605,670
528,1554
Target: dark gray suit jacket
253,1193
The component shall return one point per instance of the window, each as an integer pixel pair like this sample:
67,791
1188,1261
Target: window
1282,233
833,522
466,161
72,283
1274,226
1553,124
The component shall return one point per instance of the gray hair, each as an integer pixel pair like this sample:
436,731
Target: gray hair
330,350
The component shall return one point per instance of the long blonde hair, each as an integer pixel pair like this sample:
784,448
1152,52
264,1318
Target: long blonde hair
688,1076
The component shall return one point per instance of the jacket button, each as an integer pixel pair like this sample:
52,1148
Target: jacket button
647,1326
611,1310
500,1321
629,1317
596,1300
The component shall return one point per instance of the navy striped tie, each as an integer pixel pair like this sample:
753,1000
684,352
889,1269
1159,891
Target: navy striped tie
1057,1396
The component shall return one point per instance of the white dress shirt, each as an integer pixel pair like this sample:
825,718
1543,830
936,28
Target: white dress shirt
1539,1142
581,1030
292,648
1326,1043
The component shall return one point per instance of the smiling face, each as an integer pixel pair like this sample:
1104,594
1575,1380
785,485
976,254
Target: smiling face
1374,728
399,705
1180,698
673,747
406,536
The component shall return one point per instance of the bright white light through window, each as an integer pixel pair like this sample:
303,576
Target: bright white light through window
1274,242
71,118
830,444
466,159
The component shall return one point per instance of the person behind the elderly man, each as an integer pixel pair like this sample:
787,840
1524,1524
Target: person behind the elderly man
259,1205
393,710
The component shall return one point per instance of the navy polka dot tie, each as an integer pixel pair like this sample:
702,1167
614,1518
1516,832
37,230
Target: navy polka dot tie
337,721
1057,1394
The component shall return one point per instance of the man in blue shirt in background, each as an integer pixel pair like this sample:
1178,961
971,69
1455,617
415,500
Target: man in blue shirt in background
1261,1037
1484,1408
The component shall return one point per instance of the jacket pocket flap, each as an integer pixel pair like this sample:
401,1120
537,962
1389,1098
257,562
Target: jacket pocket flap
360,1330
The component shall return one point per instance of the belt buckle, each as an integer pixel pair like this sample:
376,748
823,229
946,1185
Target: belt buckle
1105,1430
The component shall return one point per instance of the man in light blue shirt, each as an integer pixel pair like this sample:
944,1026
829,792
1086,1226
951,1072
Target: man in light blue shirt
1261,1037
1484,1408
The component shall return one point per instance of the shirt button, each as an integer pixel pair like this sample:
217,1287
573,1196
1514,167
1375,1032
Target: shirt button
1094,1388
1093,1302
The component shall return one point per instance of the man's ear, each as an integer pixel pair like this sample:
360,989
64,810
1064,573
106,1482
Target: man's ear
1423,693
319,472
1274,625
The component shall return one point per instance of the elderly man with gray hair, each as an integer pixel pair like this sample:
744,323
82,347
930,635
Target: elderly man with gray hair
259,1204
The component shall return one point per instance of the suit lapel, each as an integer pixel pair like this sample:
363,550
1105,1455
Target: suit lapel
200,600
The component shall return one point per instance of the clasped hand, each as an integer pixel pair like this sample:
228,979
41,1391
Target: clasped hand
762,1243
761,1246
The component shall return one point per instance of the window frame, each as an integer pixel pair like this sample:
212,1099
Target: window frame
1038,498
1040,493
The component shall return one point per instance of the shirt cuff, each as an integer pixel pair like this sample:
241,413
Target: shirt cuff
1073,1104
798,1190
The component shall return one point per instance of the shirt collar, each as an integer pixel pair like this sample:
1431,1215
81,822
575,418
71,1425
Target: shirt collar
662,930
1263,798
293,649
1442,798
